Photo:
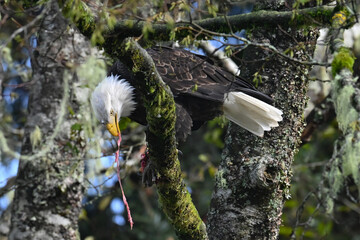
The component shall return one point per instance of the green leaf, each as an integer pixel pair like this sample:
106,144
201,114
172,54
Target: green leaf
71,111
124,122
127,45
204,158
104,203
147,28
76,127
35,137
212,9
228,51
172,34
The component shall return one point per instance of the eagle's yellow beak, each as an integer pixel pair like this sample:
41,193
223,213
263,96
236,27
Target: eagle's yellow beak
113,126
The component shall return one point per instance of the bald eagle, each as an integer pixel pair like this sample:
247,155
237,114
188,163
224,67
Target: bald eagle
201,91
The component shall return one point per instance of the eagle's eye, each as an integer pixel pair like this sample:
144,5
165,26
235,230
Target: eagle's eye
111,112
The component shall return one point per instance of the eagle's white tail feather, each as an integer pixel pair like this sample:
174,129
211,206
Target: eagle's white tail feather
251,113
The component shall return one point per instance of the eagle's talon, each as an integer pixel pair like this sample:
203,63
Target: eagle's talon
144,160
147,169
149,175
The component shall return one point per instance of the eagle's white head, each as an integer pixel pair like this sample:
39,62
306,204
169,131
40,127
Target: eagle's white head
113,98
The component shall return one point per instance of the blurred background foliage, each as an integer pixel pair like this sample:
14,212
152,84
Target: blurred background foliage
103,215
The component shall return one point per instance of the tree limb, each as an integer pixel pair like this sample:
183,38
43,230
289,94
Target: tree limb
161,32
205,28
345,94
308,16
159,102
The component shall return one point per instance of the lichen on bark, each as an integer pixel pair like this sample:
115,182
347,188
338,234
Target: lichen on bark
345,162
49,184
258,170
345,159
263,171
85,18
158,100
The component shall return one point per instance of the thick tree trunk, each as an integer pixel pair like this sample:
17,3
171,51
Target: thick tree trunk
49,185
253,180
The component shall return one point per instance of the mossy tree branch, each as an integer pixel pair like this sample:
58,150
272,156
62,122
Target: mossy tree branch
345,161
86,21
309,16
160,107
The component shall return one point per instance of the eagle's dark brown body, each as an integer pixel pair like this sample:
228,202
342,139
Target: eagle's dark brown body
199,88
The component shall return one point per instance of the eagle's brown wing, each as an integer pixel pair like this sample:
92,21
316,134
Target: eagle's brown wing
189,74
199,87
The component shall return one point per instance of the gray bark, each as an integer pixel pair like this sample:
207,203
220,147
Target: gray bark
253,180
342,170
49,184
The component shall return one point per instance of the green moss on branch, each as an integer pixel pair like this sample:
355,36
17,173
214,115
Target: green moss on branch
345,161
80,14
83,17
161,32
344,58
160,106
